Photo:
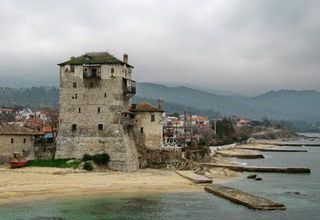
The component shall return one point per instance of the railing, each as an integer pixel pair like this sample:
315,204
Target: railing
129,88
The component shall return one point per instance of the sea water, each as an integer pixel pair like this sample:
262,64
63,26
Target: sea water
299,192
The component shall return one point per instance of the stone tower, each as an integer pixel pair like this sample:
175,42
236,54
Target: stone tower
95,92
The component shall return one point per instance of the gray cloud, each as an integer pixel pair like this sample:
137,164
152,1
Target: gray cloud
247,46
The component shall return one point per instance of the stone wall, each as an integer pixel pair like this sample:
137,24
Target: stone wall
7,148
152,134
87,108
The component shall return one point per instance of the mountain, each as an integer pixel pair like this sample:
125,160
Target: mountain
35,97
280,105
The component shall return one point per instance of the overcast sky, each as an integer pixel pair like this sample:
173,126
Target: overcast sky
245,46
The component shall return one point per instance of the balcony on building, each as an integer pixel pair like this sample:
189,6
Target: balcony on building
129,87
91,71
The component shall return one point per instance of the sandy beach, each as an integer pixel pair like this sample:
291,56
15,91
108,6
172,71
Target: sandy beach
33,183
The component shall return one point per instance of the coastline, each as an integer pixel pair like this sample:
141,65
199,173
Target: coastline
30,183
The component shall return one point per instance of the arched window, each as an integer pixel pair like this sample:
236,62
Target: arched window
112,70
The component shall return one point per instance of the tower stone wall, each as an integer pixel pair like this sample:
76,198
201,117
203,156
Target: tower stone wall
90,113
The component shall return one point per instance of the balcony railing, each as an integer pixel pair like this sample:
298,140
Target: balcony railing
91,72
129,88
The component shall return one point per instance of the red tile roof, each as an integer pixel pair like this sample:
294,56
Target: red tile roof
144,107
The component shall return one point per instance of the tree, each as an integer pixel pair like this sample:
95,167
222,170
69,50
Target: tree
53,120
225,131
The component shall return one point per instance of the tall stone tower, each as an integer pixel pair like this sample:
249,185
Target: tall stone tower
95,93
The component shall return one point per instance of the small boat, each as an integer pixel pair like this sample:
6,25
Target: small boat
18,164
17,161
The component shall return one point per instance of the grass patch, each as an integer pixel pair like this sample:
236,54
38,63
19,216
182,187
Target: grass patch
58,163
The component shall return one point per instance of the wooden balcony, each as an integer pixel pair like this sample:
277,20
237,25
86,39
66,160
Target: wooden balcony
129,87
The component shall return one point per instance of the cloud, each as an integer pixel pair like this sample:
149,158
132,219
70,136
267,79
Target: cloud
244,46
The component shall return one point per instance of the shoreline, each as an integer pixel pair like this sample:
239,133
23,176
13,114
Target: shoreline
34,184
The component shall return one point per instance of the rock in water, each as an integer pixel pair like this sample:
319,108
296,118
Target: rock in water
258,179
252,176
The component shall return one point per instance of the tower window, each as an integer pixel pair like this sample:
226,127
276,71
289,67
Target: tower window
94,72
72,69
74,85
100,127
12,140
112,70
105,95
99,110
79,110
74,127
153,118
141,130
76,96
24,140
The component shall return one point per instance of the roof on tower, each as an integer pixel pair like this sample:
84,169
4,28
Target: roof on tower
94,58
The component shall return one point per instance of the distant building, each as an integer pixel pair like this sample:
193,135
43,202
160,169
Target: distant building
16,138
148,130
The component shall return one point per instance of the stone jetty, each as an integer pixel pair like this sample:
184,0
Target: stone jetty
288,144
261,169
240,155
271,149
243,198
193,177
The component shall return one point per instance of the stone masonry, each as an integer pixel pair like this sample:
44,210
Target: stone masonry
95,89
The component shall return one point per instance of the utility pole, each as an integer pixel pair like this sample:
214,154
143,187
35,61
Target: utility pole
214,126
185,128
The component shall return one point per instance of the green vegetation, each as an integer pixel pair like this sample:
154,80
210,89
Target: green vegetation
99,159
86,157
58,163
87,166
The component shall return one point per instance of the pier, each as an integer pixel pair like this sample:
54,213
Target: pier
261,169
193,177
271,149
240,155
243,198
288,144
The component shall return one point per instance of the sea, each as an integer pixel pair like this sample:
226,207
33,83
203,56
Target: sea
299,192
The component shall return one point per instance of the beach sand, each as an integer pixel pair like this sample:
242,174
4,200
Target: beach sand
33,183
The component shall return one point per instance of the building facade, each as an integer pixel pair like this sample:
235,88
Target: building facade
16,139
148,129
95,91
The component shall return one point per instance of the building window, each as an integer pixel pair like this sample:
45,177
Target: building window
105,95
79,110
76,96
12,141
100,127
74,85
24,140
99,110
112,70
94,72
72,69
141,130
91,85
153,118
74,127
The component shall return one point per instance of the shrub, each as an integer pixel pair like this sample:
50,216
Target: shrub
101,159
87,157
87,166
58,163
